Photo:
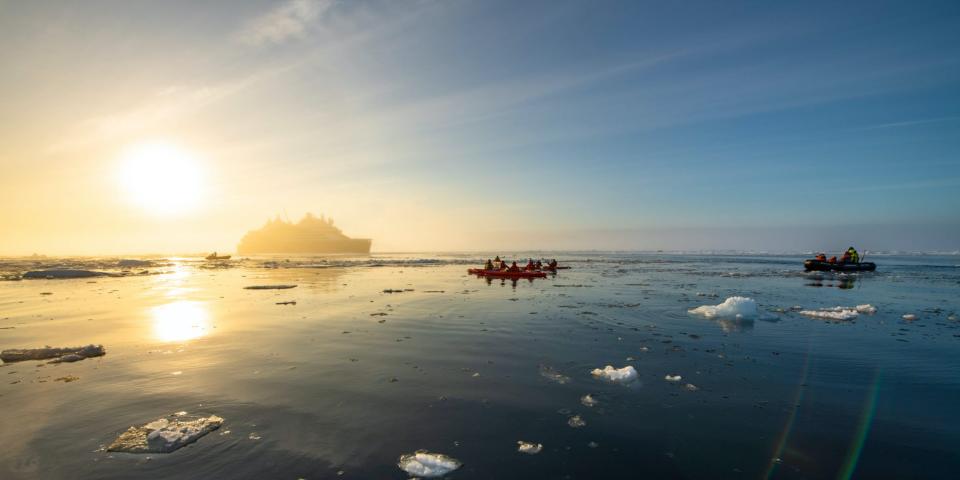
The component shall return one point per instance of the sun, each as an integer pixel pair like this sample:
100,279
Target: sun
161,178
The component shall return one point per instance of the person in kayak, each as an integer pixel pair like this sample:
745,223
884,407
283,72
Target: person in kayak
489,265
513,268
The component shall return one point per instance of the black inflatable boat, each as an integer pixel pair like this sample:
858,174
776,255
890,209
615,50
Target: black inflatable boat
821,266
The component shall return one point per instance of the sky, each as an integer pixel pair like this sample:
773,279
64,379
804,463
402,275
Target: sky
481,125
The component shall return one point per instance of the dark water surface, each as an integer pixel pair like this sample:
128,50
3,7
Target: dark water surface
350,378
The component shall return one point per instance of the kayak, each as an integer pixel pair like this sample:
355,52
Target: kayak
821,266
505,274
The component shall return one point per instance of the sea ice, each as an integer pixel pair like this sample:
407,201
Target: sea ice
269,287
550,373
840,313
426,464
164,435
588,401
129,262
576,422
68,354
909,317
620,375
732,307
673,378
62,273
529,448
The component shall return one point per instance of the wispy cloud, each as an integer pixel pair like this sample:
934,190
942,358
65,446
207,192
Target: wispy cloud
290,20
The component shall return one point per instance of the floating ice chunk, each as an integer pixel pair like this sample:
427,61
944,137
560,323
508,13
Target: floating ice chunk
269,287
426,464
831,314
68,354
164,435
620,375
673,378
588,401
130,262
691,387
576,422
64,273
867,309
909,317
550,373
732,307
529,448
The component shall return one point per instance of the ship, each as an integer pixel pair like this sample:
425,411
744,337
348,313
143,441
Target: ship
308,236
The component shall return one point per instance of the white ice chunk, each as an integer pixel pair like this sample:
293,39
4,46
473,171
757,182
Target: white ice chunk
732,307
909,317
673,378
831,314
426,464
867,309
620,375
164,435
588,401
529,448
576,422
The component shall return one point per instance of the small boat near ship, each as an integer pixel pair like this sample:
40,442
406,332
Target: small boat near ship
213,256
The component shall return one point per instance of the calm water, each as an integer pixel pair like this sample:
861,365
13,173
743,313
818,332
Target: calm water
350,378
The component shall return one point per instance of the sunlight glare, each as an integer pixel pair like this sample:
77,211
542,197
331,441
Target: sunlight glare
180,321
161,178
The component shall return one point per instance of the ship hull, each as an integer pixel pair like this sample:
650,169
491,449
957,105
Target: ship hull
353,245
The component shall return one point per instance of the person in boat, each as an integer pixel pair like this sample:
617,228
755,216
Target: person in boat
530,266
539,265
497,262
489,265
553,264
833,259
821,257
852,253
513,268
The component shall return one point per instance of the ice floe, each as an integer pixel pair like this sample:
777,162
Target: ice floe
691,387
732,307
619,375
552,374
576,422
427,464
840,313
66,273
529,448
909,317
68,354
588,401
164,435
673,378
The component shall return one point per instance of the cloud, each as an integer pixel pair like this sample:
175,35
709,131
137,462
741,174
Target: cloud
290,20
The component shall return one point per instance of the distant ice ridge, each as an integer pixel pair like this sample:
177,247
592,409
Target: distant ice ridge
618,375
840,313
732,307
426,464
164,435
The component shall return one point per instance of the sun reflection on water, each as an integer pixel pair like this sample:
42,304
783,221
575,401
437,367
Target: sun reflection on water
180,321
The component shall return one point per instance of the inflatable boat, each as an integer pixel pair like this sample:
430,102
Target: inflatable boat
821,266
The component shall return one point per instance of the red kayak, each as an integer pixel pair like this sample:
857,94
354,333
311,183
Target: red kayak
506,274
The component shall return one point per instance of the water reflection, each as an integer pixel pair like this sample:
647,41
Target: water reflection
180,321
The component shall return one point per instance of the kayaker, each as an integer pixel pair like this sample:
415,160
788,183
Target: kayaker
553,264
489,265
513,268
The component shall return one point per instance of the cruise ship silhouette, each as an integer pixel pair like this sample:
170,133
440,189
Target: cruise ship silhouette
309,235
